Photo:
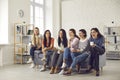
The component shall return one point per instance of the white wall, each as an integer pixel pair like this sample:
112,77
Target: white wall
56,17
14,7
90,13
48,15
7,51
4,21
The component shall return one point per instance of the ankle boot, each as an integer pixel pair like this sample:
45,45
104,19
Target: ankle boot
52,70
97,73
56,70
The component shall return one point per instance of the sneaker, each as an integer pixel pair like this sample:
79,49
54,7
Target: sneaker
32,65
43,59
42,69
63,65
29,61
61,72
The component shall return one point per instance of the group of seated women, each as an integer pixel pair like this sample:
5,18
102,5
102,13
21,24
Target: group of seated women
68,53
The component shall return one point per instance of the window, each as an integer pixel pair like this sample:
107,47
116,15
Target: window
37,14
4,22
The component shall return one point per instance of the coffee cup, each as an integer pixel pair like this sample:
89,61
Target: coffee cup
91,43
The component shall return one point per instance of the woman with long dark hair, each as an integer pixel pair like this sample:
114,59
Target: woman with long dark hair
97,47
57,58
73,43
47,48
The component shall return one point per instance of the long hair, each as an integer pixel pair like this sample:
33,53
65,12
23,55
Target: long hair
74,32
64,37
99,34
84,32
34,38
45,39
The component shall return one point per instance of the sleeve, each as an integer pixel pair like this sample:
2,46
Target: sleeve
56,43
101,42
87,46
75,42
101,46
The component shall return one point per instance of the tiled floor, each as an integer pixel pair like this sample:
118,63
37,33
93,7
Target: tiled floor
22,72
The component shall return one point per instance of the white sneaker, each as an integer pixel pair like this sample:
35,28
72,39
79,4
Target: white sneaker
61,72
32,65
63,65
29,61
42,69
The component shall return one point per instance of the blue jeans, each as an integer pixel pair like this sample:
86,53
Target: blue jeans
48,56
32,51
74,54
80,58
67,56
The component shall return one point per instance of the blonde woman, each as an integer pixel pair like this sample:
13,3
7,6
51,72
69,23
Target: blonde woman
35,45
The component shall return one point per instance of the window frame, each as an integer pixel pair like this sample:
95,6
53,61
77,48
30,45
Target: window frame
34,4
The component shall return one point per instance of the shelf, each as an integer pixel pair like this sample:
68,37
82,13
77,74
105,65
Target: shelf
112,27
19,44
23,54
113,44
112,35
22,38
114,51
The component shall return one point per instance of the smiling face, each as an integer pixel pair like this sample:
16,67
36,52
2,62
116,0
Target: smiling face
36,31
71,34
47,34
94,34
81,34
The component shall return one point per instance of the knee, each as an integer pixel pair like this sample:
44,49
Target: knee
75,59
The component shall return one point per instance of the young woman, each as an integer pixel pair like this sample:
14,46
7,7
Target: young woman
57,58
79,54
36,44
72,44
97,47
47,48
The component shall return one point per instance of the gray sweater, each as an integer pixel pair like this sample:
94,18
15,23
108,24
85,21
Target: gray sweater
84,45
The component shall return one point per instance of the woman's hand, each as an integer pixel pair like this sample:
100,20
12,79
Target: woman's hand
45,49
78,50
61,51
73,50
55,49
93,45
32,45
38,47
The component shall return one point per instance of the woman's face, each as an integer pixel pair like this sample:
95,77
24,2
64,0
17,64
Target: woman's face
81,34
71,34
47,34
36,31
61,34
94,34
